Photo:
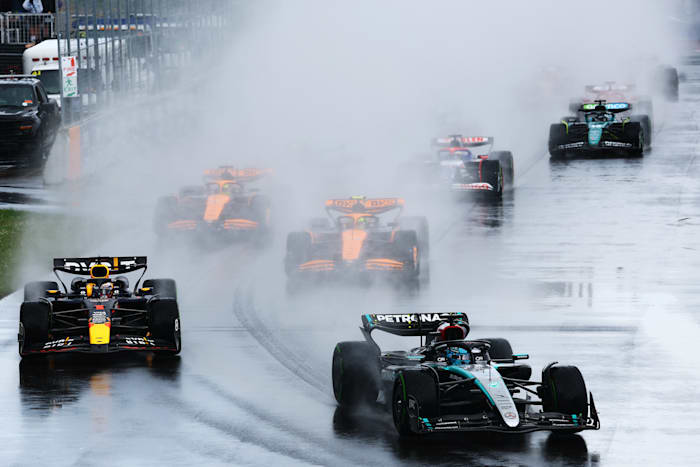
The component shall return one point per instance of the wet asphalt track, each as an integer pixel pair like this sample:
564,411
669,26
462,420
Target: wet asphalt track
590,262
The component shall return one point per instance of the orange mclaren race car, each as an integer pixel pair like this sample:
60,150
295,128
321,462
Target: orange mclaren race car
99,313
223,205
357,243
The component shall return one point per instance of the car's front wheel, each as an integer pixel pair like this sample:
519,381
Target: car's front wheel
415,395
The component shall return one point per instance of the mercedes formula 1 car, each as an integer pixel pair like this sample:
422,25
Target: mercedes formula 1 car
223,205
469,164
356,243
99,313
449,383
602,132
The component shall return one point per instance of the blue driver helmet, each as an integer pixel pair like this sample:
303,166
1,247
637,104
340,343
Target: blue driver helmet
457,356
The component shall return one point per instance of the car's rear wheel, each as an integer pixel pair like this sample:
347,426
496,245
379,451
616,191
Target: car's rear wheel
645,123
633,132
420,225
563,391
668,83
407,248
500,348
33,291
164,288
415,394
355,373
492,172
507,165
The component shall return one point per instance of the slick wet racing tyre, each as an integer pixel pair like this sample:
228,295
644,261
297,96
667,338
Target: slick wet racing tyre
420,225
500,348
33,324
563,390
407,248
415,394
164,288
33,291
165,322
645,123
507,165
557,137
355,373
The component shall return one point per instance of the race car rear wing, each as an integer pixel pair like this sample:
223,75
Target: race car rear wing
598,106
116,264
99,267
416,324
609,86
466,141
360,204
237,175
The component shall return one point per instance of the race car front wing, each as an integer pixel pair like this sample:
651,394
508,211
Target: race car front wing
529,422
81,344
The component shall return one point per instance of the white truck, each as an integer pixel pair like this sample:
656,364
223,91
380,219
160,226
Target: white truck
41,61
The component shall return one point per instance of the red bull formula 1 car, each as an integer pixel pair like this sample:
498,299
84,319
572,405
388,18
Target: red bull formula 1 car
223,206
469,164
450,383
99,313
357,243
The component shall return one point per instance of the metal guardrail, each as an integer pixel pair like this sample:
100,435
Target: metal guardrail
24,28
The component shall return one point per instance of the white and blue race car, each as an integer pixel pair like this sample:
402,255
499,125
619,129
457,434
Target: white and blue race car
469,164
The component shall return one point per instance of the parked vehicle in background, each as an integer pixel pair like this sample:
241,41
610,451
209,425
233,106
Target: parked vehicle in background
29,122
42,61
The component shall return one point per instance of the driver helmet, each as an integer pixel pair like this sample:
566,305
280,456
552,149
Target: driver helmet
452,331
106,290
457,356
465,154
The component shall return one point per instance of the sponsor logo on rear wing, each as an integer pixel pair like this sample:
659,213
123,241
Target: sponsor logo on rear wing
610,106
465,141
362,204
116,264
415,324
611,86
233,174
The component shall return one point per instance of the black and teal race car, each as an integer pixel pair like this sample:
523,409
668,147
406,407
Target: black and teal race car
450,383
599,131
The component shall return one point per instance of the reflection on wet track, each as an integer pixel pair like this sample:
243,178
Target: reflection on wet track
589,262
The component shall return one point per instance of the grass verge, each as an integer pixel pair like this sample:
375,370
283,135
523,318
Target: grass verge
12,226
